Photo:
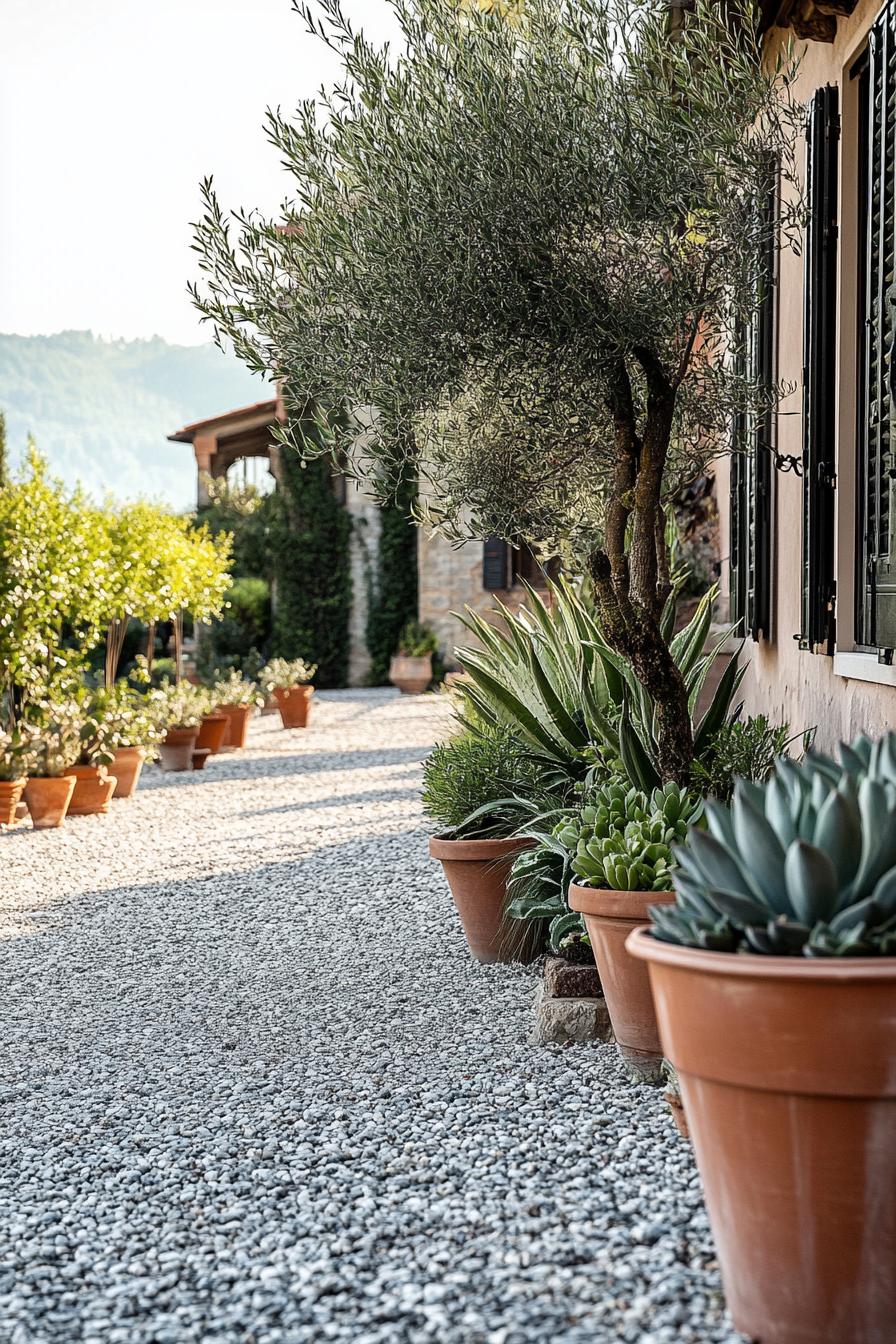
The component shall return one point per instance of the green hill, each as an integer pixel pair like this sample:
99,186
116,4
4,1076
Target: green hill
100,410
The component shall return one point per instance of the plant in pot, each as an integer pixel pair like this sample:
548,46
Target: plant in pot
16,756
55,727
94,785
411,666
621,855
288,681
480,787
774,979
236,697
135,736
178,711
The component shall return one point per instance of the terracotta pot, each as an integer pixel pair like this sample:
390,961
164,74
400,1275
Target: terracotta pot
176,751
94,787
212,732
126,766
293,702
411,675
199,757
476,872
786,1072
47,801
238,717
11,791
269,706
610,916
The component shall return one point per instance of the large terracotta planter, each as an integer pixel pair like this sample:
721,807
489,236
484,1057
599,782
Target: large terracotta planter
610,916
212,732
127,763
786,1068
94,787
294,703
476,872
47,801
176,751
238,717
11,791
411,675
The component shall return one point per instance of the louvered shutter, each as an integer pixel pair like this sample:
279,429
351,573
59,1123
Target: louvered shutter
819,372
876,589
495,564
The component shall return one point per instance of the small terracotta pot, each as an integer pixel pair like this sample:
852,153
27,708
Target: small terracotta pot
411,675
94,787
126,766
238,717
212,732
176,751
11,791
199,757
47,801
294,703
610,917
786,1072
476,872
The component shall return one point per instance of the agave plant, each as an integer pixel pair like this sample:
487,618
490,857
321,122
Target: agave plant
550,673
803,864
624,839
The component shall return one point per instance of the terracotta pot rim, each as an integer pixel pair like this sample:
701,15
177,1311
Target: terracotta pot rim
641,943
608,904
214,716
86,771
475,851
304,689
120,751
41,779
14,783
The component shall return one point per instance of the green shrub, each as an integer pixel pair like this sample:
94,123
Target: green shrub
480,784
744,749
416,640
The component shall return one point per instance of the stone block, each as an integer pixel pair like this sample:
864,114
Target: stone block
571,980
559,1021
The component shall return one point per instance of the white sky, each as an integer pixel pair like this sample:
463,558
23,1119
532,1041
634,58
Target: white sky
111,111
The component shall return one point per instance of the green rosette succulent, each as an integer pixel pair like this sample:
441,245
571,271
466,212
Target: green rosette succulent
804,864
624,838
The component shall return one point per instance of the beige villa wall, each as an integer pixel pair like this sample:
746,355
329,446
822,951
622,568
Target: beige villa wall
783,680
450,579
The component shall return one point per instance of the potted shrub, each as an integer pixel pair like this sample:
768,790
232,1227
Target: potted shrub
94,785
56,743
135,735
471,789
16,755
235,696
774,978
179,710
212,731
621,846
287,681
411,666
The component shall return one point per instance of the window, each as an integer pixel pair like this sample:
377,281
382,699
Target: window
752,458
505,566
876,530
819,373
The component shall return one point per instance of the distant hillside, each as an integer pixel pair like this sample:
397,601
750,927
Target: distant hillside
100,410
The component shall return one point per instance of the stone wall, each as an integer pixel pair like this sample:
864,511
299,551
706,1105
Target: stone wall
450,579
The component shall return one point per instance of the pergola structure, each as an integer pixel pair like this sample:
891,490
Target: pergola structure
224,439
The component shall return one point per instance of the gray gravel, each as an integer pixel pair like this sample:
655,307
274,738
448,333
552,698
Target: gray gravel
253,1088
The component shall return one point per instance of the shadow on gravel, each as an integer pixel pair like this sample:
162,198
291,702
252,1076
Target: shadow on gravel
238,766
337,800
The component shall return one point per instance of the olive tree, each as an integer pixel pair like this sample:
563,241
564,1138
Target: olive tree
532,241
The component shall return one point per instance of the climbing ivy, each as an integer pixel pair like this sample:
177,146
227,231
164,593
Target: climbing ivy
309,532
392,586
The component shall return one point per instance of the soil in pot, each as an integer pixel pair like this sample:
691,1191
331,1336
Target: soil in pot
126,766
610,916
11,791
176,751
786,1072
238,717
47,800
476,872
212,732
93,791
294,704
412,676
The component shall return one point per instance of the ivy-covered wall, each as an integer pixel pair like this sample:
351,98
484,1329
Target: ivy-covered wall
393,583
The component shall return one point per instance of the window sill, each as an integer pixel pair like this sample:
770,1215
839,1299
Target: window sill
864,667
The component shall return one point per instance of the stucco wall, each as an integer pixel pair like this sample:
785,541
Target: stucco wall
809,690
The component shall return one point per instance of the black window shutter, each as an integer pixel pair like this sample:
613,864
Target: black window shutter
819,372
495,564
876,558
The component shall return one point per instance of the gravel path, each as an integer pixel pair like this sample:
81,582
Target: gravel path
253,1088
